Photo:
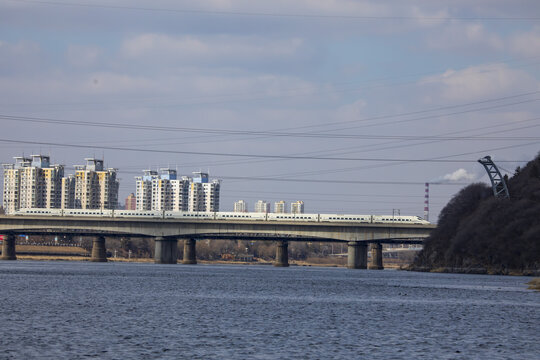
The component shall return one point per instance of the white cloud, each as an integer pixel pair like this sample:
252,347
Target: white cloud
477,82
527,43
351,111
459,175
472,38
19,57
83,56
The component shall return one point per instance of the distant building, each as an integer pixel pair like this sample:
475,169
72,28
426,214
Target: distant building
262,206
180,193
297,207
167,192
131,202
144,190
162,196
68,192
280,207
95,187
32,183
203,194
240,206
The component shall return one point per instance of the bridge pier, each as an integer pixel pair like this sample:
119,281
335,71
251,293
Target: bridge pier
356,255
376,257
282,254
190,252
8,248
99,252
165,250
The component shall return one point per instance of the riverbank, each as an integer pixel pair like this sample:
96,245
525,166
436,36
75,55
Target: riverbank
43,257
534,284
475,270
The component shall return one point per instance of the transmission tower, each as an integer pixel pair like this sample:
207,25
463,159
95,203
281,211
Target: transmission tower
498,184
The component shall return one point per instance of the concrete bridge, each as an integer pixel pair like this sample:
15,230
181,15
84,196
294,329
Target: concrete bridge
167,232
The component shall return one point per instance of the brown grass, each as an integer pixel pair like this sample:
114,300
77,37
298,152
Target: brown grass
68,250
534,284
52,258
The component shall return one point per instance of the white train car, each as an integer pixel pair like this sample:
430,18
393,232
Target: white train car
86,212
345,218
152,214
148,214
39,212
388,219
292,217
239,216
187,215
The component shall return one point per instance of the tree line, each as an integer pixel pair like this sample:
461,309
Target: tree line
477,231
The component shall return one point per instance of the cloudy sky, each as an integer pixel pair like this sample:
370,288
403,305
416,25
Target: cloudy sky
350,106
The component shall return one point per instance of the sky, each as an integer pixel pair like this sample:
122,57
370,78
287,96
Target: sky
349,106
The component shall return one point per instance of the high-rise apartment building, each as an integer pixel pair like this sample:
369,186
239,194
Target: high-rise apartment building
280,207
162,190
240,206
180,193
68,192
144,189
32,182
167,192
262,206
93,186
297,207
203,194
131,202
12,184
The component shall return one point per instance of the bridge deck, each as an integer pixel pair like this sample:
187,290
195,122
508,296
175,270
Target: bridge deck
209,228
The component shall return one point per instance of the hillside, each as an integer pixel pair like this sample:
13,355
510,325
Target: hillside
477,232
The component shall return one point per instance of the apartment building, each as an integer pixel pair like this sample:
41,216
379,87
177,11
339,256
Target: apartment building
280,207
32,182
131,202
203,194
168,192
144,188
93,186
240,206
297,207
262,206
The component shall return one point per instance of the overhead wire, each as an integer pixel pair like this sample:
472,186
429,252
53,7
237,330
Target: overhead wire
282,15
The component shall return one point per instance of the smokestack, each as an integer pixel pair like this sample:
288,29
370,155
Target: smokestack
426,203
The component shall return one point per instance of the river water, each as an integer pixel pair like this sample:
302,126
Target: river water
78,310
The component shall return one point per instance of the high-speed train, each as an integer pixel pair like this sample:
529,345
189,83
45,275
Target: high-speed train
373,219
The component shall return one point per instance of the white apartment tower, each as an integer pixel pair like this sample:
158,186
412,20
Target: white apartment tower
297,207
163,192
32,183
240,206
68,192
94,186
144,190
203,195
180,193
262,206
162,196
280,207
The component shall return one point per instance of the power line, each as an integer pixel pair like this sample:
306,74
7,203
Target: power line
232,154
282,15
268,133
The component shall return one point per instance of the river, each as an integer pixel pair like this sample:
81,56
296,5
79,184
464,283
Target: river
80,310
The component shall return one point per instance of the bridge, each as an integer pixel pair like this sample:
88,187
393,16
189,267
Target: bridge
167,232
